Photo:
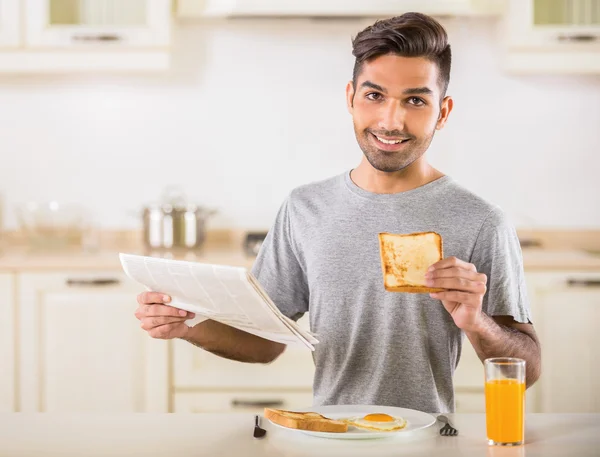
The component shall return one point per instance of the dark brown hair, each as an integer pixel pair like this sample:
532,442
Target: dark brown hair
409,35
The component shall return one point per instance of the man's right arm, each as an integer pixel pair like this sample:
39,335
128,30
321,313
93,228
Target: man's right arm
165,322
232,343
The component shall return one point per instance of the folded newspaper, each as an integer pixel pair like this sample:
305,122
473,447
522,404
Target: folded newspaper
230,295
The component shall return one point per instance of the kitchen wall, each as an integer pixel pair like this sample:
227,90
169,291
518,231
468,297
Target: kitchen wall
252,109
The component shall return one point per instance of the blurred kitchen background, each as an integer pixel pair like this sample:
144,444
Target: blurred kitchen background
177,128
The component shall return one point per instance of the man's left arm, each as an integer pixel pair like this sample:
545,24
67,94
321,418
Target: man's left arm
491,336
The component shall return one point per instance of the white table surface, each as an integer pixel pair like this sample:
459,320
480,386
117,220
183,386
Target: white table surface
182,435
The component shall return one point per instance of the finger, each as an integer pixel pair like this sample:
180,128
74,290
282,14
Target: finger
169,331
150,323
450,262
458,296
160,310
457,272
460,284
146,298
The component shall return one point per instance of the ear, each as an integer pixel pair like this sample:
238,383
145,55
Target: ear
447,105
350,97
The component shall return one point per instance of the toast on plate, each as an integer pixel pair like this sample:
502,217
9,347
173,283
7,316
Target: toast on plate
314,422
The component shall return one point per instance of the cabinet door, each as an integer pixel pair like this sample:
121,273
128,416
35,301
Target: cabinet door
98,23
469,381
240,401
7,343
9,23
571,346
567,309
543,23
81,347
195,368
332,8
553,36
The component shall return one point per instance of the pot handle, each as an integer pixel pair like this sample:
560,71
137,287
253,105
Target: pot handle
173,195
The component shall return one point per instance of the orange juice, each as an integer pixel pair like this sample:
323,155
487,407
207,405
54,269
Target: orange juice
504,410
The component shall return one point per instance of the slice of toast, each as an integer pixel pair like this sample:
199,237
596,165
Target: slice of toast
305,421
406,258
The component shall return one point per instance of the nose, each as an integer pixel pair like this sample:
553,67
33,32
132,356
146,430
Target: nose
392,116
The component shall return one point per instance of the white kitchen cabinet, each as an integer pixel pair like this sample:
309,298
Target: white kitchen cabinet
566,314
469,381
469,373
469,384
469,401
246,401
552,36
194,368
7,342
203,382
81,347
334,8
98,23
9,23
58,36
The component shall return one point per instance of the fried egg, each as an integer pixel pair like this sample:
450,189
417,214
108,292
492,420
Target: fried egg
379,422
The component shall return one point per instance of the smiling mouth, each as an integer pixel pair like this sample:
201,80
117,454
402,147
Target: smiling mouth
390,142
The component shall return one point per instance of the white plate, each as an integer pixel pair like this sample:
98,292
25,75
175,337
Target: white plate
416,420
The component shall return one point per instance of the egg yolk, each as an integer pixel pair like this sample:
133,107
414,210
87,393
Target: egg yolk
378,418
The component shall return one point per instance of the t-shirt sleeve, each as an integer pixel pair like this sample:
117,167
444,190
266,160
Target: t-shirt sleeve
497,253
278,269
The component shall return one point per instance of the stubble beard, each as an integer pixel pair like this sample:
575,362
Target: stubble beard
390,162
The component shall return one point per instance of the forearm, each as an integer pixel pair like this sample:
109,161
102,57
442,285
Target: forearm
231,343
491,339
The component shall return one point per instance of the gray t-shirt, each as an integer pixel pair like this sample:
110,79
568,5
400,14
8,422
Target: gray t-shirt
376,347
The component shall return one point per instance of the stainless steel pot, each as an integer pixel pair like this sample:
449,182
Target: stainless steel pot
174,223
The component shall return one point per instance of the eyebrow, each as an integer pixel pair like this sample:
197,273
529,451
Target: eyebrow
418,91
373,86
410,91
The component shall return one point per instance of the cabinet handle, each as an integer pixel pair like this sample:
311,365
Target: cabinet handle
256,403
92,282
102,37
583,282
578,38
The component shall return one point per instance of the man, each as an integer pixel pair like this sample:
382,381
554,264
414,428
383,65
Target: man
322,253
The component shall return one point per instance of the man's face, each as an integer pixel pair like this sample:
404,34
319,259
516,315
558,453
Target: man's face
396,109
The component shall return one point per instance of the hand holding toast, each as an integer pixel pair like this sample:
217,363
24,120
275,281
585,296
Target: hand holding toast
466,288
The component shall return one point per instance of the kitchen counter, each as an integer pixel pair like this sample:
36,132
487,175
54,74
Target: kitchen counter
226,434
20,259
566,259
108,259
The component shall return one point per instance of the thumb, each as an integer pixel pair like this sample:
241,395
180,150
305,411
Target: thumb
180,330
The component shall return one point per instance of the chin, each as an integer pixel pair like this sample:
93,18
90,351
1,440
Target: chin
382,163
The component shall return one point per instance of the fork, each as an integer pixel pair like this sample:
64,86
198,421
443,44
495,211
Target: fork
447,429
259,432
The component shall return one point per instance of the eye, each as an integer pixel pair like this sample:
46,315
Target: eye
374,96
416,101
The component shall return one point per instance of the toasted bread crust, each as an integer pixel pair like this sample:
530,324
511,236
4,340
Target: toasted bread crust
391,268
414,289
305,421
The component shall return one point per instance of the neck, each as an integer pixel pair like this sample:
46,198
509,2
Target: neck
417,174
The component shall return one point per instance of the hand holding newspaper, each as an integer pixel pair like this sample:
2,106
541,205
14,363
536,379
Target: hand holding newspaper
230,295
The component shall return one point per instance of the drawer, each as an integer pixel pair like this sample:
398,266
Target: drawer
194,368
469,401
240,401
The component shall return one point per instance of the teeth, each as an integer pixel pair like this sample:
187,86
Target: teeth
388,141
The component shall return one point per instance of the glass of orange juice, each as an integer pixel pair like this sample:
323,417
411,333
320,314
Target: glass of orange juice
505,400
